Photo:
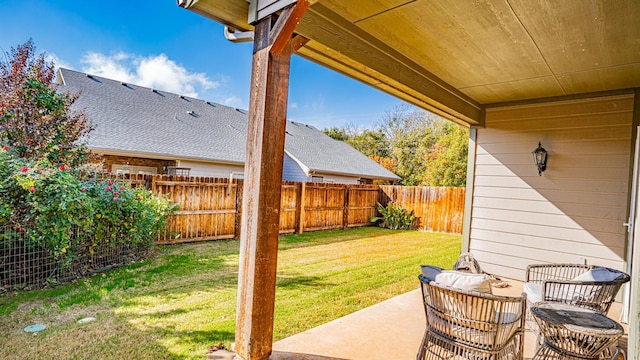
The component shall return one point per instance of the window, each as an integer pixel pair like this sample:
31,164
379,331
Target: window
179,171
316,178
120,169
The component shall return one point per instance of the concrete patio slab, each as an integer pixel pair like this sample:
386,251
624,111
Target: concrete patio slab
392,329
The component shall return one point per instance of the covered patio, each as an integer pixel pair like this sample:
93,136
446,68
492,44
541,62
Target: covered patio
392,329
517,73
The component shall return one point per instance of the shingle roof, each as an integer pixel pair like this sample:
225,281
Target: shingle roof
138,120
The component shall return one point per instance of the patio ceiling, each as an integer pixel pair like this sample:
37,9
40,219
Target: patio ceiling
454,57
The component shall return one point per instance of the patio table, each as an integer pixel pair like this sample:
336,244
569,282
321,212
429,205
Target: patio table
573,332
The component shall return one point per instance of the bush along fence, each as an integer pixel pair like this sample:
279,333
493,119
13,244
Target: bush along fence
58,223
124,229
210,208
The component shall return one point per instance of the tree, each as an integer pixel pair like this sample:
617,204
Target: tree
410,135
420,147
35,120
336,133
446,163
372,143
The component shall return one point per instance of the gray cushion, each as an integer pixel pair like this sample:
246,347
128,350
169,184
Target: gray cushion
599,274
430,272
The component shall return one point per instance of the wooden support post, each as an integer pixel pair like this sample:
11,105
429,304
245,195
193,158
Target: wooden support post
263,182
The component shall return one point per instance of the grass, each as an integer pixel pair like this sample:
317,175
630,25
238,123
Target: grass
183,299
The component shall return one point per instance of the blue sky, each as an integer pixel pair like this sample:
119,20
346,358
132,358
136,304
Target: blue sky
157,44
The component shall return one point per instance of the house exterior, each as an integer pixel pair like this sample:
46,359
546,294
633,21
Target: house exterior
565,74
575,211
143,130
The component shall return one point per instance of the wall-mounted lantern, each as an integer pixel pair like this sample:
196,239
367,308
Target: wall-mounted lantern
540,158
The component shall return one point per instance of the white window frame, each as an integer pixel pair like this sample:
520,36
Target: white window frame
121,169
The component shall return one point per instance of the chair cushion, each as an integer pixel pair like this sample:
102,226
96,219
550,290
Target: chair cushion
599,274
430,272
464,281
533,291
565,293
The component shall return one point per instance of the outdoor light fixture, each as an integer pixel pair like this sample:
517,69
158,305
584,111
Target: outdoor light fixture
540,158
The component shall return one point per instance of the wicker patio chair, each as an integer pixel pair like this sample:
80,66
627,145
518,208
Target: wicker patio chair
470,324
563,283
466,262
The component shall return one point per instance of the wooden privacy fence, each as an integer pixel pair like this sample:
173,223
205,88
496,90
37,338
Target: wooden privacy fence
438,209
210,208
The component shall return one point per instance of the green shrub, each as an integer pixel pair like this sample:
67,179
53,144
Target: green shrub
123,211
54,203
394,217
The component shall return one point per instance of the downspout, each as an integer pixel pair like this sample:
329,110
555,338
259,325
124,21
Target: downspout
234,175
235,36
468,201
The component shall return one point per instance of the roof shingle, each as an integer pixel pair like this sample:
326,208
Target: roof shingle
138,120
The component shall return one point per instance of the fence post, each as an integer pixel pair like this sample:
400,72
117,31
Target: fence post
238,218
153,184
345,212
300,208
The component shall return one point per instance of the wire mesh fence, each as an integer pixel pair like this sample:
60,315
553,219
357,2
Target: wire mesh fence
26,263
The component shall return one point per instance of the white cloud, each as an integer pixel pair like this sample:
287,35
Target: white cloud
108,66
232,101
158,72
57,62
293,105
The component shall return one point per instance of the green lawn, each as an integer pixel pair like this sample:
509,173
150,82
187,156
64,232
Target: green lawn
183,299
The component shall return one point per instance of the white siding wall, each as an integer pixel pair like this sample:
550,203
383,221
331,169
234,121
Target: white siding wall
210,169
337,179
291,170
573,212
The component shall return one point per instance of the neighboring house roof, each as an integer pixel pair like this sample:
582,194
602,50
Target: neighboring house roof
132,119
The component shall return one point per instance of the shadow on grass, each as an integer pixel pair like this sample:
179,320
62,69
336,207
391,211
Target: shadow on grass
110,336
317,238
291,281
142,295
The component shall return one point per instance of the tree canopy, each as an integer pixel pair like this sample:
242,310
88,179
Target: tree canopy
35,120
420,147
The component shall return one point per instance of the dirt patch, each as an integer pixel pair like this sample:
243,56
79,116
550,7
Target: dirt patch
39,312
76,312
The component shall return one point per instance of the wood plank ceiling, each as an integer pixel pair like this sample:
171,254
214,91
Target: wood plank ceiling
453,57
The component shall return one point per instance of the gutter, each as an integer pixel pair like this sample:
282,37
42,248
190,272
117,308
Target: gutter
186,3
369,176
